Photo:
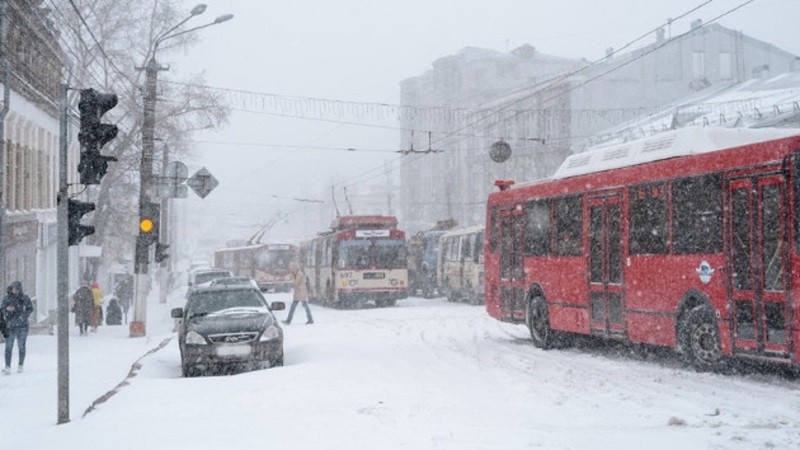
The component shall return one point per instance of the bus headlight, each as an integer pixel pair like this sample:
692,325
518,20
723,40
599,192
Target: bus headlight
353,283
393,282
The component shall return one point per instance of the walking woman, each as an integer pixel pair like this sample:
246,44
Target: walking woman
300,293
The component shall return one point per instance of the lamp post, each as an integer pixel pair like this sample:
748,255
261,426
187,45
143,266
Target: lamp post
137,325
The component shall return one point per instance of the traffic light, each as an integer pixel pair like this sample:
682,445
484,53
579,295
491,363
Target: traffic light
76,210
93,135
161,252
149,223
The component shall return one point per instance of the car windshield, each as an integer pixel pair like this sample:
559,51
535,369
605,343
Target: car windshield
205,277
378,253
209,302
276,259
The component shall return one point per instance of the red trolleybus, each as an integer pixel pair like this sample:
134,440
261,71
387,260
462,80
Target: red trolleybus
268,264
360,259
688,240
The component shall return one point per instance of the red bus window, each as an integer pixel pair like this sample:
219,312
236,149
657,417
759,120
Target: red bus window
569,226
537,224
649,231
697,215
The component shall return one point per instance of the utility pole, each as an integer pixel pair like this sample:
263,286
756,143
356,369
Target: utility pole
62,263
3,113
164,266
141,259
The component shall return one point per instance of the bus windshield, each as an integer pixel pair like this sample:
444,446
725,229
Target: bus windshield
275,259
378,253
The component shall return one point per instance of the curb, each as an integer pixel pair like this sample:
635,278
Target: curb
132,373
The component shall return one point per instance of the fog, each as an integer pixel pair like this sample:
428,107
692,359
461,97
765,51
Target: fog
359,51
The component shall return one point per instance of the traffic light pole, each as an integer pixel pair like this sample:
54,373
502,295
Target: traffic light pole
140,287
62,261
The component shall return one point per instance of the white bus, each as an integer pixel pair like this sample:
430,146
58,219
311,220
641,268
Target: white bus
461,264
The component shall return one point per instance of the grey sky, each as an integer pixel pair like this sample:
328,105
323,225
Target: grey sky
360,50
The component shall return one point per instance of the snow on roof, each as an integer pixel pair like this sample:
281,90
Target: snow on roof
682,142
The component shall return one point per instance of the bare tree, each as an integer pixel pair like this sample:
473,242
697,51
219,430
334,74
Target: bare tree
106,42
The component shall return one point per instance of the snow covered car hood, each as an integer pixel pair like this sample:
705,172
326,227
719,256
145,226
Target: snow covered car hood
230,323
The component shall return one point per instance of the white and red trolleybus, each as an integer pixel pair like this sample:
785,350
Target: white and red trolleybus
360,259
689,239
268,264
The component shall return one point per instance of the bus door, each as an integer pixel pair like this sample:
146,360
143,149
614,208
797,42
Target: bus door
512,276
757,260
605,264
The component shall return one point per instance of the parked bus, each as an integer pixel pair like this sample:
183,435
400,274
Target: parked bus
461,265
268,264
360,259
689,239
423,259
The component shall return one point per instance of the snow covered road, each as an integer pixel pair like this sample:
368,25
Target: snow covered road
430,374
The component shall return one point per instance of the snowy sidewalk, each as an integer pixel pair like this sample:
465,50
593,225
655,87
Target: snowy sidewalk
98,362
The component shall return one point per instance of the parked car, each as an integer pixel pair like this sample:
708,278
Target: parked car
226,327
234,281
204,276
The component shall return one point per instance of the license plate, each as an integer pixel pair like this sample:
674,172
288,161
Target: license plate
233,350
374,275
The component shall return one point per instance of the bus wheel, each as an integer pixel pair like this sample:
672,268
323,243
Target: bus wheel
702,337
538,323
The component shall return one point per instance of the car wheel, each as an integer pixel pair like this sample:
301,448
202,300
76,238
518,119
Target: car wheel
188,371
701,340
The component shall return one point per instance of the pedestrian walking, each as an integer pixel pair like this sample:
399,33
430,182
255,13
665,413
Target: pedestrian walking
124,293
113,313
84,304
16,309
97,311
300,293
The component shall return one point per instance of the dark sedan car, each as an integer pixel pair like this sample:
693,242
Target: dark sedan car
228,327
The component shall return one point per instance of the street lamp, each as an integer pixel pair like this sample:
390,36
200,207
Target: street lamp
137,325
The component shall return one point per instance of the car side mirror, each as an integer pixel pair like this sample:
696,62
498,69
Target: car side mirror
277,306
177,313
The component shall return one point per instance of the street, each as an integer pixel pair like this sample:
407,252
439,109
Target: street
424,374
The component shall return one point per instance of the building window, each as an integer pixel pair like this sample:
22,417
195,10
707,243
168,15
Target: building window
725,66
698,65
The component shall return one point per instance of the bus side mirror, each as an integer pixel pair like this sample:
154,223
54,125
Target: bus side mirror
177,313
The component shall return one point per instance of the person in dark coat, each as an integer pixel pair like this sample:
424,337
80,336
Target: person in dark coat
113,313
16,309
84,303
124,293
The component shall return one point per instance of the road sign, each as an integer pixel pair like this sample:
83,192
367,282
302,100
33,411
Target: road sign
172,184
202,182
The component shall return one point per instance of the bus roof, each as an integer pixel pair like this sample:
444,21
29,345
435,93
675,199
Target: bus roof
361,222
273,246
672,144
